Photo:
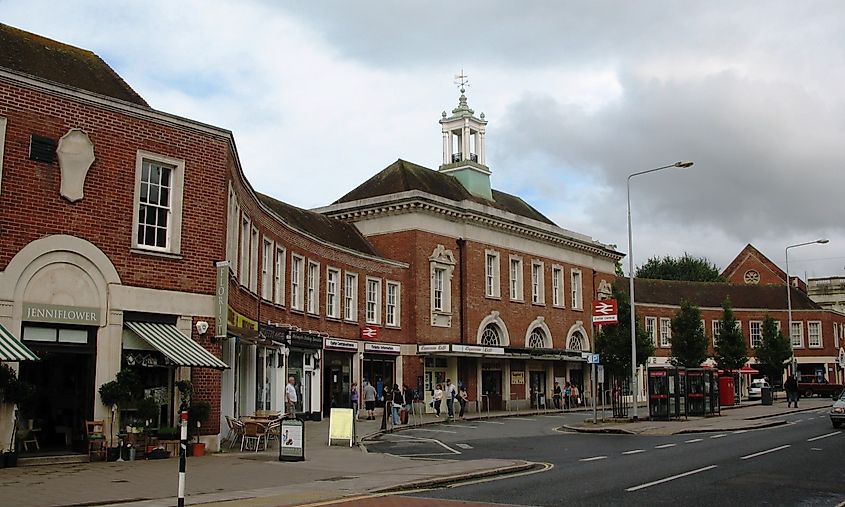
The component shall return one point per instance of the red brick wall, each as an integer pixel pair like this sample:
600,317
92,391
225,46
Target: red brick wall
206,381
767,275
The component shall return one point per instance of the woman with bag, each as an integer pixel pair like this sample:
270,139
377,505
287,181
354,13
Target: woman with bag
438,398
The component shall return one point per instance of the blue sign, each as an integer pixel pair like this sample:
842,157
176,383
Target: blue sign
593,359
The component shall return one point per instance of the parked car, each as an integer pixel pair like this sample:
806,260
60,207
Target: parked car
755,390
837,411
810,386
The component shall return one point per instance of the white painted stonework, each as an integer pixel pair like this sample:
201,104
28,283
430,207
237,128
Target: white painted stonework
76,154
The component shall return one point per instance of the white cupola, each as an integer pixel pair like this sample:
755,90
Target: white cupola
463,146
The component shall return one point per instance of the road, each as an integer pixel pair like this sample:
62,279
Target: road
800,463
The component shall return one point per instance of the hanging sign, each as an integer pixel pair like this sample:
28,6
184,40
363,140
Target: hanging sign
605,312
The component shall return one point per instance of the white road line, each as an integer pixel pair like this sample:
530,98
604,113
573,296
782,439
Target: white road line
423,439
694,440
488,422
594,458
766,452
520,419
738,432
556,416
720,435
798,420
464,446
810,418
635,451
458,426
823,436
672,478
664,446
432,431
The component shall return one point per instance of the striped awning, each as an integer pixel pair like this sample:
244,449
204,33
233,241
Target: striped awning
180,349
12,349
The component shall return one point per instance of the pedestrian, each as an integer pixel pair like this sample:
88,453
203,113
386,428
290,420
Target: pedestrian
567,395
463,397
791,388
451,395
370,400
397,400
353,396
438,398
290,398
557,392
410,395
576,395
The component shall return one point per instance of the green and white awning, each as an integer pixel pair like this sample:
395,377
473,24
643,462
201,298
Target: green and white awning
180,349
12,349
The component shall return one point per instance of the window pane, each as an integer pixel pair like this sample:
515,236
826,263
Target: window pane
73,336
39,334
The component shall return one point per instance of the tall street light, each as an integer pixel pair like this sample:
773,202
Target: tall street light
631,279
793,362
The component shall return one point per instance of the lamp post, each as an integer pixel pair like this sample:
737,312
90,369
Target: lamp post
793,362
631,280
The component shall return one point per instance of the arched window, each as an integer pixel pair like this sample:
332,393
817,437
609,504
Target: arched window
575,342
537,339
490,336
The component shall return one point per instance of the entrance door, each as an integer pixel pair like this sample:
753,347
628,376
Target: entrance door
538,387
336,379
491,387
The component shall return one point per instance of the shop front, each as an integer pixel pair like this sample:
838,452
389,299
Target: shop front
337,373
304,366
379,366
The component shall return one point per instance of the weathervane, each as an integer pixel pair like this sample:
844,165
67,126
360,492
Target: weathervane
462,80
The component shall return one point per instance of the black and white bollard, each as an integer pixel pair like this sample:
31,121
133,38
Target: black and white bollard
183,452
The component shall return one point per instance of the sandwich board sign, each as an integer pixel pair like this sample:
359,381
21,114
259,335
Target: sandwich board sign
342,425
292,440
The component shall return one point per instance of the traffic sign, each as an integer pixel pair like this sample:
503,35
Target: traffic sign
605,311
593,359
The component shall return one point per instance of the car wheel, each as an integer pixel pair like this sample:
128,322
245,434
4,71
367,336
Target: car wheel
837,424
808,393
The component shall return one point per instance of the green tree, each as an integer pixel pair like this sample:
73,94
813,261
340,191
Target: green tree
689,345
731,352
774,349
613,342
688,268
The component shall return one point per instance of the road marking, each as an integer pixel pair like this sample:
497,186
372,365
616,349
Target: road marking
694,440
432,431
635,451
815,448
556,416
739,432
664,446
456,426
823,436
766,452
799,420
720,435
489,422
810,418
422,439
546,468
520,419
464,446
672,478
594,458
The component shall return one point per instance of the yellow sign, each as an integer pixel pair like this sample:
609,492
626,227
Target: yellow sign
342,425
517,377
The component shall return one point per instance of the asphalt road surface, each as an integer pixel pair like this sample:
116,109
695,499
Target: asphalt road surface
801,463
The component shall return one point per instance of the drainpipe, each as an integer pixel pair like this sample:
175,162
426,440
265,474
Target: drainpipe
461,242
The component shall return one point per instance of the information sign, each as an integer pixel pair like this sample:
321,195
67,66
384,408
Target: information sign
342,425
292,440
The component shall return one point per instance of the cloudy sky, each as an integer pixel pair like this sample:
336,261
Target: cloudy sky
321,95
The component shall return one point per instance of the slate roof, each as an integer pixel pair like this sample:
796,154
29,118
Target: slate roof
60,63
402,176
320,226
708,294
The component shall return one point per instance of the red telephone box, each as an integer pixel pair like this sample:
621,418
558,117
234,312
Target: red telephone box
726,391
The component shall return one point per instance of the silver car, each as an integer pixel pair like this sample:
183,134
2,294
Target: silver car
837,411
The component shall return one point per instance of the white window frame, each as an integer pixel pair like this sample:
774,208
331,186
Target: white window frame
297,280
492,278
372,310
557,286
233,219
651,329
332,292
439,290
577,289
797,339
267,269
810,338
253,260
173,242
313,289
393,304
441,268
751,333
515,272
279,277
665,332
538,289
350,297
836,335
3,122
244,230
716,329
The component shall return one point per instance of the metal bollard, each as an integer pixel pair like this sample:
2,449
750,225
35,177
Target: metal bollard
183,451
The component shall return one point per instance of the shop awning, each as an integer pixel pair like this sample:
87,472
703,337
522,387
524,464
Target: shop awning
12,349
180,349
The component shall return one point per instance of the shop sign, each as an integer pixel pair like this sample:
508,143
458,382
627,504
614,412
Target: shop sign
221,300
517,377
841,358
381,348
306,341
56,314
369,332
440,347
478,349
335,344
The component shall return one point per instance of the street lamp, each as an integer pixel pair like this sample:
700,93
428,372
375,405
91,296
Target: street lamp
682,165
793,361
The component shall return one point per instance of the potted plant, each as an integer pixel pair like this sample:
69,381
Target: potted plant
117,393
19,393
198,413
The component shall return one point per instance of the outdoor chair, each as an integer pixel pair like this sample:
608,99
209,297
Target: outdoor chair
254,432
230,423
96,438
273,429
237,432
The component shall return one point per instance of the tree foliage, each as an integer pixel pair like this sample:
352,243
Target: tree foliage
731,352
689,345
773,351
688,268
613,342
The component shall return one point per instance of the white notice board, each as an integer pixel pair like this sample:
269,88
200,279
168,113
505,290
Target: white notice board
342,425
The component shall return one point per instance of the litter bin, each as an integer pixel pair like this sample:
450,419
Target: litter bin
766,395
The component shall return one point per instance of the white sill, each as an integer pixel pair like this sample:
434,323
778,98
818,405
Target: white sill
155,253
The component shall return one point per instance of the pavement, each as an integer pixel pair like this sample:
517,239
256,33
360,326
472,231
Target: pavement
328,473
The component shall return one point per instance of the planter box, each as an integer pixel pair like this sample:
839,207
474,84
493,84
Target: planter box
197,449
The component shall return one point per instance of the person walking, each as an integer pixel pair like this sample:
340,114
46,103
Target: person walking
370,400
567,395
438,398
557,392
397,400
576,395
353,396
290,398
791,388
408,406
451,395
463,396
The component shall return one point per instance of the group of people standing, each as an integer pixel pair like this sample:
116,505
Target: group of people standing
567,396
452,393
401,400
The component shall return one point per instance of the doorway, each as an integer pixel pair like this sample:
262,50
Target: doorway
491,387
337,376
538,387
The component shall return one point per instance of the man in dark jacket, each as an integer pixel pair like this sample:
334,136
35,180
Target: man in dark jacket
791,388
